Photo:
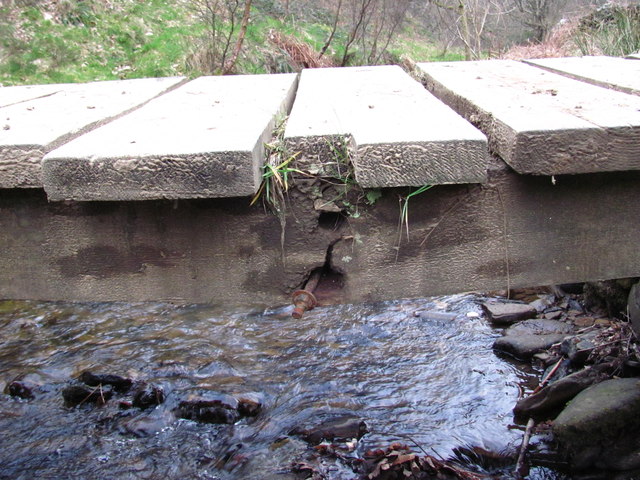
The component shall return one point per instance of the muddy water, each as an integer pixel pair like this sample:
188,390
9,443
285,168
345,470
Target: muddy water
424,378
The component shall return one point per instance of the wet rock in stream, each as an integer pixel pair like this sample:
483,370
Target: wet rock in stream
342,428
21,390
596,413
147,395
507,313
250,404
221,409
525,339
119,384
76,395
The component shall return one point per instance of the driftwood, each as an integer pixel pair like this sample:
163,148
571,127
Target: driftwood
522,469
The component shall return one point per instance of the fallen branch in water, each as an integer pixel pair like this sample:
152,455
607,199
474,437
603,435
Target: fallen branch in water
546,379
522,469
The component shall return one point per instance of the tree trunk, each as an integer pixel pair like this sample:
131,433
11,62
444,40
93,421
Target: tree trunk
230,65
466,35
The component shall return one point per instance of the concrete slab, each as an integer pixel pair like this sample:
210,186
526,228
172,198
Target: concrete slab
36,119
204,139
539,122
615,73
22,93
400,134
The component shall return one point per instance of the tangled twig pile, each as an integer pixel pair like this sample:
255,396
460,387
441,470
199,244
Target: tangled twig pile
300,54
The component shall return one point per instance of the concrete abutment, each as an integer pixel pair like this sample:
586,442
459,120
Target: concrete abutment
149,198
224,251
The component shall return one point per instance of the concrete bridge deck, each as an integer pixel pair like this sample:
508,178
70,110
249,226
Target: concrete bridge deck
140,189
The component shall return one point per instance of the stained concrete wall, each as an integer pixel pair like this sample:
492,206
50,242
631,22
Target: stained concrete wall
515,230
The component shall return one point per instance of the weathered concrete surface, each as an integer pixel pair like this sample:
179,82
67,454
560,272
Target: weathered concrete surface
12,95
515,230
401,134
204,139
539,122
36,119
616,73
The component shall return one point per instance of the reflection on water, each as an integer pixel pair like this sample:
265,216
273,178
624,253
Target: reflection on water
425,379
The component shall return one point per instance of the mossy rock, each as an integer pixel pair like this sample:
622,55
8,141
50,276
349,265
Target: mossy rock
599,427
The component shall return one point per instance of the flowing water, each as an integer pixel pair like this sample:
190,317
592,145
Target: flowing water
412,372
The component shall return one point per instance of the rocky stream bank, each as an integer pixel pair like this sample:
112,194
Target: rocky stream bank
585,340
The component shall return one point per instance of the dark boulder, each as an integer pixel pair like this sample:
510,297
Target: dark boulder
557,394
342,428
599,427
119,384
610,295
20,389
221,409
77,395
147,395
249,404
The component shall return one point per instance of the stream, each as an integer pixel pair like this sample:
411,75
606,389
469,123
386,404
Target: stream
421,372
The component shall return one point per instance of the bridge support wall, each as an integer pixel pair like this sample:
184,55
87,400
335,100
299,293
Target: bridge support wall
515,230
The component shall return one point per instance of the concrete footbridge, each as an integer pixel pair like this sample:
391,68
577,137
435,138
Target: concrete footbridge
362,183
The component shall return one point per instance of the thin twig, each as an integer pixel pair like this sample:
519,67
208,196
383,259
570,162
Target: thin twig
520,465
414,442
546,379
91,393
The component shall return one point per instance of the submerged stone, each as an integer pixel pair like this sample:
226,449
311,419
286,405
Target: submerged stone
335,429
599,428
145,425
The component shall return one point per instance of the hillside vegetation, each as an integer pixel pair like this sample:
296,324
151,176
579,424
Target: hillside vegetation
57,41
79,41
